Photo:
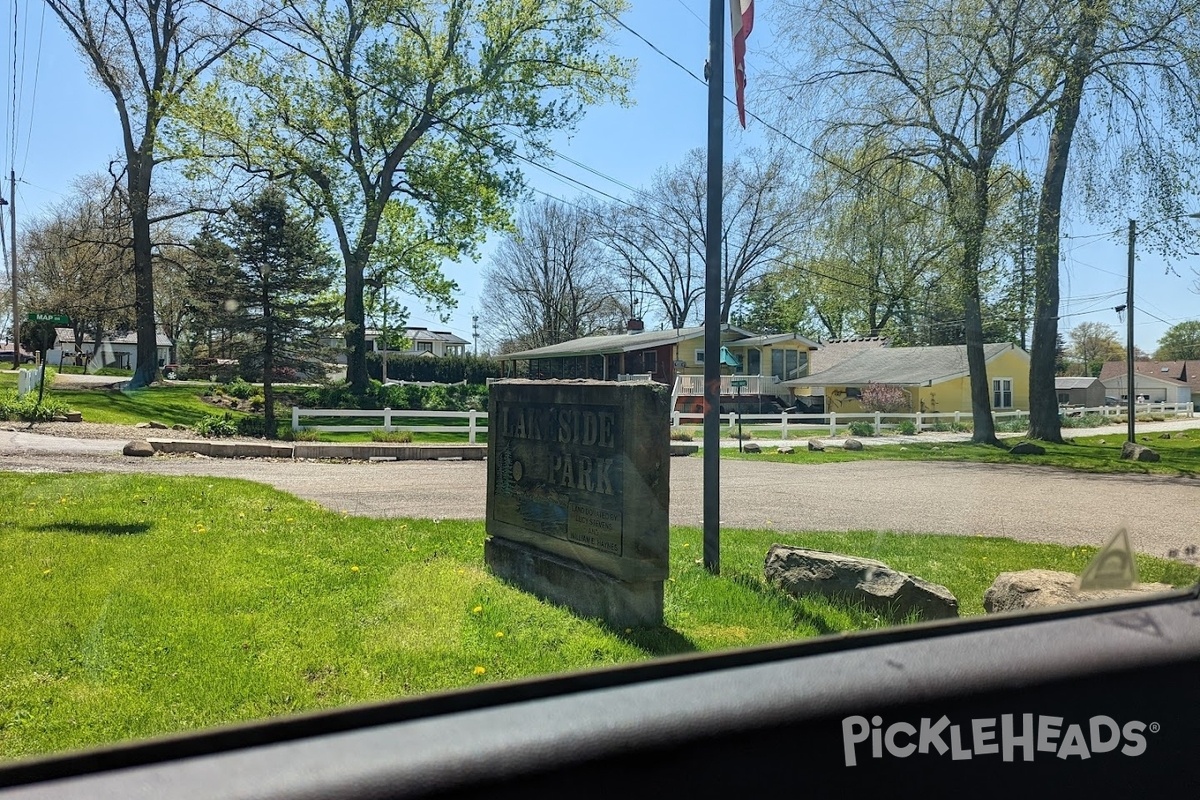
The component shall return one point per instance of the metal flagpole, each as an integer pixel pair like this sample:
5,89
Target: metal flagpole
712,289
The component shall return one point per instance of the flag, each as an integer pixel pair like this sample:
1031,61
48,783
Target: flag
742,13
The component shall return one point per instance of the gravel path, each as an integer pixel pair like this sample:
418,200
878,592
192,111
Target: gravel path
1037,504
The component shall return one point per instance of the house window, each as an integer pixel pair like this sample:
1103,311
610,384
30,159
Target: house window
1002,393
699,356
650,362
785,364
1064,398
424,347
853,393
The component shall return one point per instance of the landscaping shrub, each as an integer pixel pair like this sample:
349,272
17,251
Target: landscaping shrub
862,427
884,397
394,437
449,369
906,427
257,402
681,436
213,426
240,389
1084,421
1014,425
301,436
26,409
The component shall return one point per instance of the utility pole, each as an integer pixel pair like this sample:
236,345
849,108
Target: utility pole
712,289
12,261
475,331
1131,407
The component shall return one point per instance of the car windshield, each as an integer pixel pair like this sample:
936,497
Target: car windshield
366,350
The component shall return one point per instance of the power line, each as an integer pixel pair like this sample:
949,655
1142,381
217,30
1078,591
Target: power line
37,64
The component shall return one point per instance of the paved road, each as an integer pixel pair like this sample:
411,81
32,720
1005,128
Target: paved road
1028,503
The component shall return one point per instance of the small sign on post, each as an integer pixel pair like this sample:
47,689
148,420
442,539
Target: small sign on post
41,316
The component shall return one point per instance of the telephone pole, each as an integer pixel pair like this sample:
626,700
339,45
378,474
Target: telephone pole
12,262
475,331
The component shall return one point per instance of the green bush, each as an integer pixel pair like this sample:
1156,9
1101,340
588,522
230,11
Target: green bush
681,436
408,396
27,409
301,436
862,427
258,402
450,369
240,389
906,427
213,426
1014,425
1084,421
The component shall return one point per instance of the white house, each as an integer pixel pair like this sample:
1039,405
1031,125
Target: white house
117,349
1152,388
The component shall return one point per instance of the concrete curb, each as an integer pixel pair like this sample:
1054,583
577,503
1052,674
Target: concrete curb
320,450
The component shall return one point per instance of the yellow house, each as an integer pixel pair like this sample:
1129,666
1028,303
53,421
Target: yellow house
935,379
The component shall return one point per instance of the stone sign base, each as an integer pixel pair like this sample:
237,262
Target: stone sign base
587,592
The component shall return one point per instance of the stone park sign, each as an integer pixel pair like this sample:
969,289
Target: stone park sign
578,481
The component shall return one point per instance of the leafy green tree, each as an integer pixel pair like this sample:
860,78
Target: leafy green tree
280,266
1093,344
948,86
402,123
1180,343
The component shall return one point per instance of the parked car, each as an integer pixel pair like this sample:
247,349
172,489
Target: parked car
6,355
1112,401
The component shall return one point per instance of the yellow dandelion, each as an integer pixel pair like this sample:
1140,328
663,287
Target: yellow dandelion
45,572
499,634
62,500
629,630
477,610
480,670
685,544
354,568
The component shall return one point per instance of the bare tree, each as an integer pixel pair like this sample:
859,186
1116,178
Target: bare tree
77,260
549,281
659,236
147,54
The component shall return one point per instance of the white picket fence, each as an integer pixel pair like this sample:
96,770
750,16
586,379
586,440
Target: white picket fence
834,421
27,380
476,420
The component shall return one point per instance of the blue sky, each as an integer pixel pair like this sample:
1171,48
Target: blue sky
67,127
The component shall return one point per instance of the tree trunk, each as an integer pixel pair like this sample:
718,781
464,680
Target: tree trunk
1044,420
268,365
356,334
140,167
981,393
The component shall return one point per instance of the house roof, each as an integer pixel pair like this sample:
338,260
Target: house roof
774,338
1183,371
1140,378
627,342
67,336
421,335
905,366
836,351
1074,383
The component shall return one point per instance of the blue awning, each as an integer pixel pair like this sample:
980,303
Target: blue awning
729,359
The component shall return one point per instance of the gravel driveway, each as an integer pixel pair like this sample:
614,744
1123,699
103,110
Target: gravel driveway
1036,504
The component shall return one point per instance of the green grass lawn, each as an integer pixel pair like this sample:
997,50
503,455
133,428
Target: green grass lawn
172,405
134,606
1180,454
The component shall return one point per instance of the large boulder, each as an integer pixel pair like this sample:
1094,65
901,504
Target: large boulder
751,447
874,584
815,446
137,448
852,444
1039,588
1028,449
1138,452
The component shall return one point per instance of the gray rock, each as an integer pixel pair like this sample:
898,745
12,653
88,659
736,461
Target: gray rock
874,584
179,427
1039,588
1138,452
1028,449
142,425
58,418
785,450
816,446
852,444
74,416
138,448
1164,436
751,447
158,425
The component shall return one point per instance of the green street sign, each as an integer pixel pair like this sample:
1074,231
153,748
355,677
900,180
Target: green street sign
739,382
57,319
